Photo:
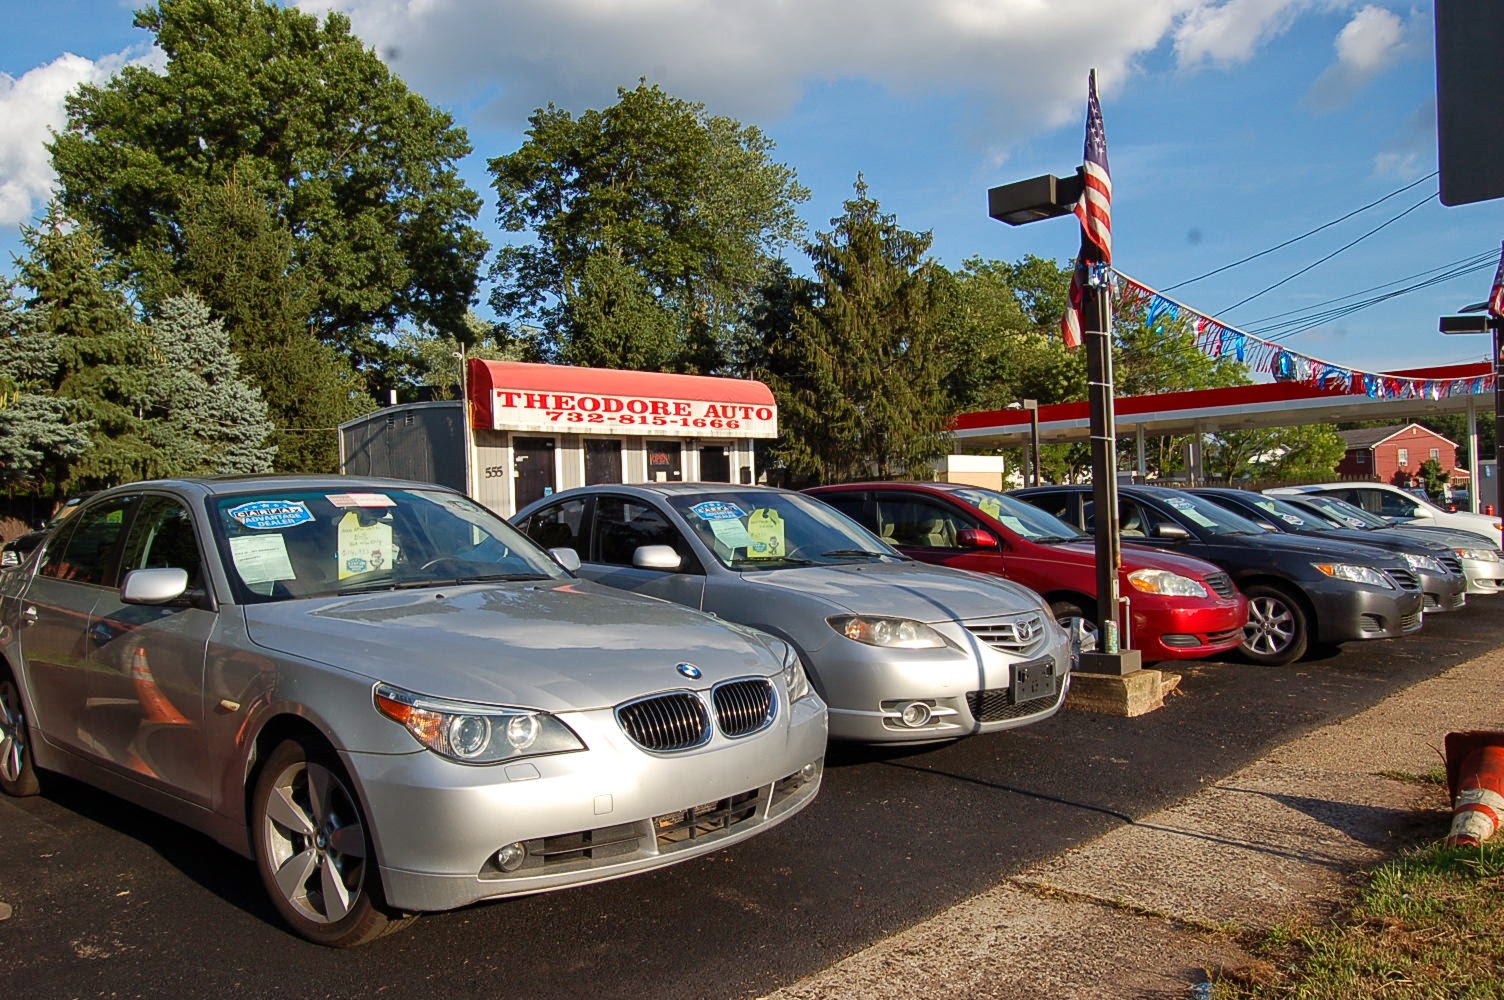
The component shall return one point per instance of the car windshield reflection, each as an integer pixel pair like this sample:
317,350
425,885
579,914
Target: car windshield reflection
297,543
748,530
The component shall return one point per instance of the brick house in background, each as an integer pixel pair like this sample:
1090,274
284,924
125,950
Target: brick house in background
1393,454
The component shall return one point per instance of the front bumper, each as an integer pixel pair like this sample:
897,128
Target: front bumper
1443,591
1483,577
589,816
965,690
1353,611
1166,631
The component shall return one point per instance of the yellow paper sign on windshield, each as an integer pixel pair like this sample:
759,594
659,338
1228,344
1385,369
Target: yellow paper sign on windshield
991,507
364,548
765,529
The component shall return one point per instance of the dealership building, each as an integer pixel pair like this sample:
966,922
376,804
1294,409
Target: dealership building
533,430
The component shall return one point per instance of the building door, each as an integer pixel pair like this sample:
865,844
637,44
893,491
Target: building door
665,462
532,469
602,461
715,464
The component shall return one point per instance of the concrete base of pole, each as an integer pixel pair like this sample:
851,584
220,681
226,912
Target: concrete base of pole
1125,695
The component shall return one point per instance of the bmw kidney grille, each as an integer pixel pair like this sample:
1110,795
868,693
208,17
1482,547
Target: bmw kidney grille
681,720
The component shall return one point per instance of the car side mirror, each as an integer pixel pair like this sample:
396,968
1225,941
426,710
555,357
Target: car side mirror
656,557
154,586
976,538
1171,532
566,557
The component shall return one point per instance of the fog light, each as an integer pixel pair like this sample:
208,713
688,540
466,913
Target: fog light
809,771
511,857
915,714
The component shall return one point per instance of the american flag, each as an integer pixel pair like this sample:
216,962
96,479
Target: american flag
1094,209
1496,294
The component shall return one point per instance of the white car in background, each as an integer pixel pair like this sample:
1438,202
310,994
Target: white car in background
1401,507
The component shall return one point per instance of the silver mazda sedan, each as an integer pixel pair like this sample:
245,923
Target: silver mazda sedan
900,650
388,697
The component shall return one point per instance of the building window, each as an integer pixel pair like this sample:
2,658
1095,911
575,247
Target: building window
1436,454
1403,458
1361,457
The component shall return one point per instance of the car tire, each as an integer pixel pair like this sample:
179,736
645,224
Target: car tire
18,771
1277,632
313,849
1078,617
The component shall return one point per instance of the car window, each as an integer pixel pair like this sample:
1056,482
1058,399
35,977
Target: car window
90,551
622,525
855,506
751,529
1391,504
304,543
1017,516
919,521
560,526
1061,505
161,536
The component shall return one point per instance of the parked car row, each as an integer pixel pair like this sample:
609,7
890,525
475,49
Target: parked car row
392,701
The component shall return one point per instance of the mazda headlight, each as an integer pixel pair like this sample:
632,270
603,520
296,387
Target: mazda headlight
899,633
1425,564
1355,574
472,733
1482,555
1162,581
795,680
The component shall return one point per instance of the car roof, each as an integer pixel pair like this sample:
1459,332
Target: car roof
229,485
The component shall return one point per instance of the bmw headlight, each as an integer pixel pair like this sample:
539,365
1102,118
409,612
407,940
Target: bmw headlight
1355,574
1162,581
1425,564
472,733
794,677
1482,555
900,633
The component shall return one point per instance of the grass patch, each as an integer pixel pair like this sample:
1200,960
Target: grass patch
1436,776
1427,925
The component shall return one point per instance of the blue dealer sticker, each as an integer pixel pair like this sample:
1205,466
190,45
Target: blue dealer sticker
717,510
264,515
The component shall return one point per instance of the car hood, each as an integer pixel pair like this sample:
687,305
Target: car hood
1454,538
556,646
903,590
1320,548
1146,558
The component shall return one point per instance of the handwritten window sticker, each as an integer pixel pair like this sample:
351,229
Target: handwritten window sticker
731,533
261,558
1012,524
270,515
993,508
765,528
364,548
360,500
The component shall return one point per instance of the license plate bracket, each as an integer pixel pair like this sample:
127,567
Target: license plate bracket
1032,680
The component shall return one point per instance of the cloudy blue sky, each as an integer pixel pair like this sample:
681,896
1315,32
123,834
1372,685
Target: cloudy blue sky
1233,126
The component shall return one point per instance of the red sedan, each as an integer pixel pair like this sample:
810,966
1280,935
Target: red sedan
1181,607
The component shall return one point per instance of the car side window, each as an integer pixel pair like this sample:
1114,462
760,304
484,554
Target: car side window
622,525
920,522
162,536
856,508
91,552
1062,505
1395,505
1358,498
560,526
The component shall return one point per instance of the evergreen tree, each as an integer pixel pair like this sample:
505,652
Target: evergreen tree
39,438
860,389
206,417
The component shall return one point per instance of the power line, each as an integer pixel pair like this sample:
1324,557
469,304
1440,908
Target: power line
1424,201
1297,239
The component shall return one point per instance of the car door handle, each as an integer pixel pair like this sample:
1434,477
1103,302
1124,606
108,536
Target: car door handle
29,616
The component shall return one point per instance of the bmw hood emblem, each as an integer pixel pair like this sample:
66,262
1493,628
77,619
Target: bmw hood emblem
689,670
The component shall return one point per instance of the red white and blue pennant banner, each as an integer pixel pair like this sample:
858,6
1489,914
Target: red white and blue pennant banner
1217,340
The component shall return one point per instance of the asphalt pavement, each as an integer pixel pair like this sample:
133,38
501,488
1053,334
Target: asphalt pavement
1046,861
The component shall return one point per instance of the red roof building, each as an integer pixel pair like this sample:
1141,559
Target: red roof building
1395,454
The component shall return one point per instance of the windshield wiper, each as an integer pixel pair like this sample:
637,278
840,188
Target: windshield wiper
1056,539
863,553
443,581
769,562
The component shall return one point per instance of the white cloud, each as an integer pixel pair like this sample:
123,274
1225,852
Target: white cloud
31,108
1368,45
1231,33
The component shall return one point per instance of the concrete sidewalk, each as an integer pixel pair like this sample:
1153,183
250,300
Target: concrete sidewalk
1141,911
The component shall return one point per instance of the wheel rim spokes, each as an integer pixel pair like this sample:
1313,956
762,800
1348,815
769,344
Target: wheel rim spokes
1271,626
12,734
316,842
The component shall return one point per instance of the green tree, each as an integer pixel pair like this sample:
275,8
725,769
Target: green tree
1433,477
206,418
103,359
1299,453
358,169
38,432
241,260
648,200
429,367
860,377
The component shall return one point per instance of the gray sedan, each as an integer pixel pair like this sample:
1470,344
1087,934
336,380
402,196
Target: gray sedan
900,650
388,697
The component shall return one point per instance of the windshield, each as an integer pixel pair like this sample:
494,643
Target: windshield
1021,518
753,529
1299,519
1210,517
1343,513
313,543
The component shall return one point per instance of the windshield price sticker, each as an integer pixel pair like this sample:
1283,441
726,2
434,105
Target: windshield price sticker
360,500
1292,519
269,515
718,510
